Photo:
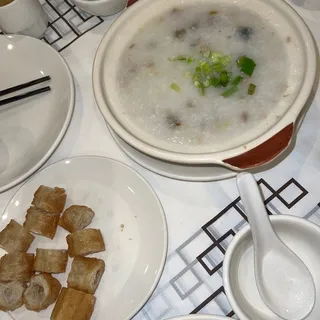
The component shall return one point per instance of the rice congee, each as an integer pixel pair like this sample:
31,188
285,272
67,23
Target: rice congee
204,75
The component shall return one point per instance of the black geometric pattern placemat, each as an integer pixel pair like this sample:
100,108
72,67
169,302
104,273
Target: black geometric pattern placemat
67,23
197,285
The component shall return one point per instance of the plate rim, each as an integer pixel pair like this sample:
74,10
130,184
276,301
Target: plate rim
200,316
118,140
162,212
66,123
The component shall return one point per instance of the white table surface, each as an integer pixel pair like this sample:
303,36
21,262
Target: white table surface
188,206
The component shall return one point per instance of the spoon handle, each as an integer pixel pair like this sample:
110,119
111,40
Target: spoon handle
255,209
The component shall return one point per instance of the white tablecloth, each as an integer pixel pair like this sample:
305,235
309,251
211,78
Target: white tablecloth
202,217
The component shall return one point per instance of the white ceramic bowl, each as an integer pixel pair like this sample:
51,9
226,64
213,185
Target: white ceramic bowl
258,147
101,7
300,235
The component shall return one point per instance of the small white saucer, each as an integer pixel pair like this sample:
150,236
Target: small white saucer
31,129
301,236
174,170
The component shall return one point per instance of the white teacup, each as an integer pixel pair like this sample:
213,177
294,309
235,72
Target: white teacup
23,17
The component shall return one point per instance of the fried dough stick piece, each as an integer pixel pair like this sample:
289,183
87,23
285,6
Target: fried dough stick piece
50,199
73,305
76,218
85,274
84,242
16,266
15,238
43,291
41,223
50,260
11,295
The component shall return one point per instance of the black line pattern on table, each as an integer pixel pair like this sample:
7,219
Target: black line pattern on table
199,260
219,241
67,23
214,266
214,296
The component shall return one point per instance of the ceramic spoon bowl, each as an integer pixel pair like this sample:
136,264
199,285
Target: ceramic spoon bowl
300,235
283,280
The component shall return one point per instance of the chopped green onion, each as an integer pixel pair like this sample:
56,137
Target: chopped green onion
182,58
216,56
224,79
237,80
251,89
177,58
240,61
218,67
206,68
206,52
175,87
197,77
230,91
248,66
200,86
225,60
207,83
197,84
215,82
214,70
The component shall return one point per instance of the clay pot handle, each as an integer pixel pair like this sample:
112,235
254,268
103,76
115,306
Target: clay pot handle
265,152
130,2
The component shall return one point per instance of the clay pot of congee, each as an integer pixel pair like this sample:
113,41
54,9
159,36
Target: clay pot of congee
206,81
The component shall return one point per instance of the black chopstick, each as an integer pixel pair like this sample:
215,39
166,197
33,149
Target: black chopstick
24,85
24,95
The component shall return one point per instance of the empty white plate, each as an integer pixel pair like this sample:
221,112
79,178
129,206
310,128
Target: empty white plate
31,129
130,217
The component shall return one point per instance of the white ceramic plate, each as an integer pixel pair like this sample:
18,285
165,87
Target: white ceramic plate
30,130
134,257
174,170
200,317
300,235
